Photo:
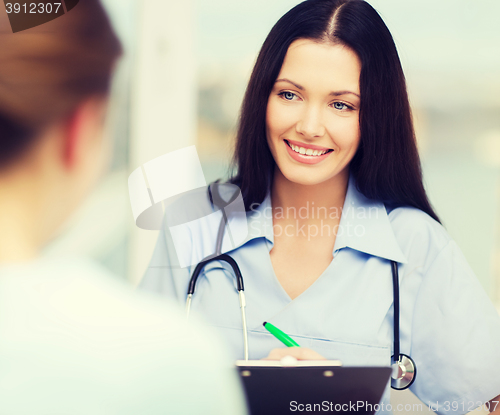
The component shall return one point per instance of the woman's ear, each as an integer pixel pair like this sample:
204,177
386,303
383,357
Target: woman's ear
83,129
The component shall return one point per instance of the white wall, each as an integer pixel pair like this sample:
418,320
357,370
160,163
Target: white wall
163,100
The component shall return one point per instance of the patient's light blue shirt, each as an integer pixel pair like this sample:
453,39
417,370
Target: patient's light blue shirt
448,325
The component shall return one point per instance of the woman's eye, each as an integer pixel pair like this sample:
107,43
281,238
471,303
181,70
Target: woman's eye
340,106
288,95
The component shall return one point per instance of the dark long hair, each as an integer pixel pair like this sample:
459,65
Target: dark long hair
386,166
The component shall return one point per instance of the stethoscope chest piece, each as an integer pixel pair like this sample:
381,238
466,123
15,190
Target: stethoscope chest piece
404,372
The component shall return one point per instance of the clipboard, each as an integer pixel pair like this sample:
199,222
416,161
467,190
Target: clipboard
311,386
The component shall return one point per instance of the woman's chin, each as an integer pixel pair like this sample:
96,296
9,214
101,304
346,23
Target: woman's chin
309,179
307,176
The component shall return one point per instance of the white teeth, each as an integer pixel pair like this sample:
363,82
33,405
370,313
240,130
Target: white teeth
307,152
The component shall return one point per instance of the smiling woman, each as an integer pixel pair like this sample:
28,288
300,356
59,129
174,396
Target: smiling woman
326,125
386,166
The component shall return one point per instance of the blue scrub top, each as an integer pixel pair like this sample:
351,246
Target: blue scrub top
448,324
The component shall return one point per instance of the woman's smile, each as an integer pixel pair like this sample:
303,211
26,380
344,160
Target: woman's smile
306,154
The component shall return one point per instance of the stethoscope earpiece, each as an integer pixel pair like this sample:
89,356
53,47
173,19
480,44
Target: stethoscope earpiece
404,372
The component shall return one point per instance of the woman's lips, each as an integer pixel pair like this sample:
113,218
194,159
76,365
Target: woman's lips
302,158
306,146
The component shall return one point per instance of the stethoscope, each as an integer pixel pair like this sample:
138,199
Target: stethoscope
404,369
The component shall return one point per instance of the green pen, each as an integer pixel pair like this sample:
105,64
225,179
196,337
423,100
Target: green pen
282,337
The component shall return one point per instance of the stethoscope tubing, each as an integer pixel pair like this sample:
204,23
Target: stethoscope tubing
240,287
216,199
395,287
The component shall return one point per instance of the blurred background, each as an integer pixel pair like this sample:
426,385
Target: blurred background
182,80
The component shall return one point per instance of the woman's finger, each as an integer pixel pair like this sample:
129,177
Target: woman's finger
300,353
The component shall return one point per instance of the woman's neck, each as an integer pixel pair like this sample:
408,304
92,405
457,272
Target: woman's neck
19,229
313,202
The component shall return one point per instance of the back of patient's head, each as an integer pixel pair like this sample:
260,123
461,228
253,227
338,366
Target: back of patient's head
48,70
54,83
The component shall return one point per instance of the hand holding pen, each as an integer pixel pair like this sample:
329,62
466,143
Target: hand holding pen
293,349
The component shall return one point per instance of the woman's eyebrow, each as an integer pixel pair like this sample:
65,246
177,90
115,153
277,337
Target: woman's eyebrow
334,93
337,93
290,82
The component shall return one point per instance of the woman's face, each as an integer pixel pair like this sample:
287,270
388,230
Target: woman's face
314,107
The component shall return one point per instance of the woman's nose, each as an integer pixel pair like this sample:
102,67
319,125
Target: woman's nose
310,123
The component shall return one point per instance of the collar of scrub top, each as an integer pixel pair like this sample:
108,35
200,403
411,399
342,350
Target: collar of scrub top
378,238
